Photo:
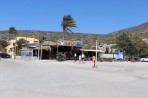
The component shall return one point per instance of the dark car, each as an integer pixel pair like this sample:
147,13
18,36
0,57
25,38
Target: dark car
5,55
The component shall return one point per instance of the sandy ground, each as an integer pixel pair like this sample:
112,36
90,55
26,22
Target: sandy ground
69,79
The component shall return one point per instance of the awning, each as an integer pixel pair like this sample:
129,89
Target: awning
92,50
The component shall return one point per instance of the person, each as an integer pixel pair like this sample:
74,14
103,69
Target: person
64,55
94,59
80,58
83,56
75,57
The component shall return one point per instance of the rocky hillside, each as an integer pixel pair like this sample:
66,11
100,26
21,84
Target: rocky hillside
88,39
140,30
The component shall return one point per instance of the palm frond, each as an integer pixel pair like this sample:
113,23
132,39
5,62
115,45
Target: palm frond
67,23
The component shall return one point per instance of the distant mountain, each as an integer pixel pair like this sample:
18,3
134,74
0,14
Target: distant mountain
88,39
140,30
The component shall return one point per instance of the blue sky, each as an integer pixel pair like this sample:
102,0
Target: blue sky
92,16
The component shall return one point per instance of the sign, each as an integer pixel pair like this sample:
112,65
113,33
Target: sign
73,43
61,42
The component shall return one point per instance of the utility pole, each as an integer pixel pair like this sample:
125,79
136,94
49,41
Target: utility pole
96,49
57,50
39,51
15,48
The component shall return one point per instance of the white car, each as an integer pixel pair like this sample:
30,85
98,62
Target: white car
144,59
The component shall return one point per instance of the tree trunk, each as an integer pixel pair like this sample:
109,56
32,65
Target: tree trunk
39,52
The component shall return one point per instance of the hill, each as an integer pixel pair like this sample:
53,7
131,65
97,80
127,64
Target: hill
140,30
88,39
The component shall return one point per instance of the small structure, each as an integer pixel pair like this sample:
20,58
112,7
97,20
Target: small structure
119,54
27,54
12,48
49,50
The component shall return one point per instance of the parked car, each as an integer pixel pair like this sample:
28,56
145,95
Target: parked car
144,59
5,55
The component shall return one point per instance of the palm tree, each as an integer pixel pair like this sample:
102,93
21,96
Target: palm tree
68,23
41,40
